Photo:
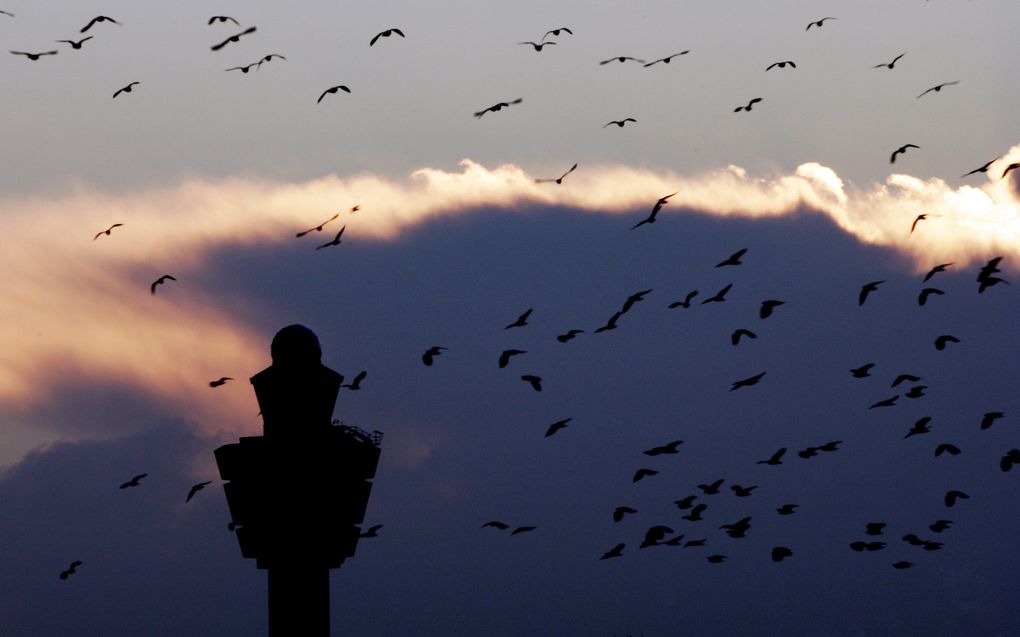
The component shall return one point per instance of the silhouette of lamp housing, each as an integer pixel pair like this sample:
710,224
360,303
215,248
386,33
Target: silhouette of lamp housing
297,493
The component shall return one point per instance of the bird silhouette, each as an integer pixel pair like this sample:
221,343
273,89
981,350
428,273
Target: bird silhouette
945,447
538,45
937,88
922,298
317,228
888,402
1009,168
719,296
7,13
429,356
874,528
355,385
496,524
75,44
903,378
195,489
774,459
134,481
385,34
1011,458
568,335
621,58
902,564
787,509
97,20
620,512
749,105
107,231
126,89
36,56
781,65
558,180
373,531
160,281
747,382
616,551
521,320
610,324
716,558
71,570
867,546
890,65
655,535
523,529
780,553
497,107
685,503
695,513
989,419
620,122
221,381
737,529
939,526
640,474
222,18
818,23
234,38
556,426
269,58
902,149
919,427
738,333
830,446
632,299
243,69
768,306
556,32
953,496
686,303
867,289
662,201
742,492
534,381
332,90
939,268
712,488
733,259
941,341
668,449
982,169
335,241
667,59
694,543
863,371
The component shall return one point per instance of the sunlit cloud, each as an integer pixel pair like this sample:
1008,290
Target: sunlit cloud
81,306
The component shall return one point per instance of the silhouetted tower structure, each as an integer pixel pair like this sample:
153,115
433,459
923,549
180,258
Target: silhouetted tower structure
298,492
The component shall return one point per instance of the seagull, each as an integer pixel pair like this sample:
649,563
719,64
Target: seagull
735,337
781,65
558,180
556,32
126,89
945,447
902,378
195,489
71,570
1012,166
556,426
863,371
620,122
317,228
685,503
939,268
982,169
522,320
749,105
711,488
686,303
96,20
107,231
920,427
989,418
221,381
787,509
940,342
888,402
355,385
233,38
621,58
497,107
632,299
430,354
901,149
610,324
937,88
373,531
385,34
733,259
331,90
335,241
36,56
819,23
747,382
570,334
666,59
75,45
538,45
616,551
890,65
954,496
655,209
867,289
243,69
669,448
496,524
926,292
643,473
535,381
161,280
222,18
695,514
779,553
774,459
920,217
269,58
720,296
133,482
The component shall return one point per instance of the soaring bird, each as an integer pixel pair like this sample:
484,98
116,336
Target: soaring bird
903,378
774,459
719,296
655,209
619,122
733,259
890,65
1012,166
686,303
916,392
71,570
922,298
523,529
742,492
521,320
233,38
97,20
643,473
735,337
317,228
667,59
373,531
568,335
133,482
982,169
126,89
919,427
695,513
767,307
385,34
496,524
430,354
953,496
556,32
632,299
781,65
36,56
867,289
616,551
222,380
747,382
863,371
558,180
920,217
556,426
938,88
107,231
355,384
75,44
900,150
888,402
195,489
332,90
939,526
222,18
669,449
534,381
946,447
538,45
749,105
939,268
497,107
941,341
787,509
243,69
622,58
780,553
610,324
819,23
335,241
685,503
989,418
712,488
160,281
269,58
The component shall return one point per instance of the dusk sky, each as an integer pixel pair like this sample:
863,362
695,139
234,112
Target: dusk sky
211,173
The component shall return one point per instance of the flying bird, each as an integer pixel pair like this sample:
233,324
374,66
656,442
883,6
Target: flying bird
941,341
742,492
76,44
982,169
233,38
133,482
655,209
621,58
632,299
385,34
335,241
373,531
711,488
920,217
71,570
874,528
890,65
355,385
317,228
922,298
937,88
774,459
749,105
522,320
666,59
939,526
916,391
523,529
556,32
1012,166
939,268
497,107
558,180
780,553
781,65
902,565
222,18
695,514
989,418
620,122
863,371
107,231
669,449
900,150
430,354
556,426
719,296
195,489
616,551
243,69
787,509
36,56
738,333
819,23
903,378
655,535
568,335
767,307
643,473
733,259
716,558
534,381
919,427
97,20
945,447
269,58
888,402
496,524
610,324
7,13
538,45
221,381
126,89
160,281
954,496
686,303
331,90
747,382
867,289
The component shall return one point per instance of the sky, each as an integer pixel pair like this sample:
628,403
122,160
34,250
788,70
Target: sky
212,173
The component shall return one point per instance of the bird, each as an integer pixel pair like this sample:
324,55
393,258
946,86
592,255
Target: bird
735,336
610,324
693,543
733,259
568,335
747,382
496,524
774,459
922,298
742,492
781,65
1011,458
71,570
749,105
780,553
676,540
819,23
523,529
685,503
1012,166
989,418
556,426
107,231
768,306
937,88
787,509
430,354
716,559
195,489
621,58
867,546
521,320
385,34
945,447
918,218
243,69
632,299
888,402
874,528
620,122
982,169
317,228
939,268
655,535
497,107
669,449
902,565
919,427
134,481
900,150
890,65
863,371
719,296
534,381
373,531
686,303
902,378
737,529
556,32
558,180
335,241
7,13
97,20
126,89
941,341
939,526
332,90
538,45
954,496
662,201
161,280
666,59
34,56
810,452
619,512
355,384
233,38
222,18
830,446
616,551
711,488
76,44
643,473
269,58
867,289
695,514
221,381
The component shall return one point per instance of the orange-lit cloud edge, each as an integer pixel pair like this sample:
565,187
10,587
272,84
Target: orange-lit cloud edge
83,305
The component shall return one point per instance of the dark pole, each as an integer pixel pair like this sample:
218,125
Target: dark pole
299,596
